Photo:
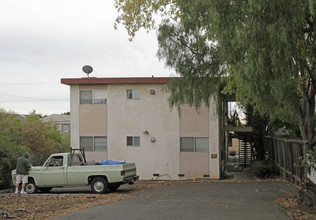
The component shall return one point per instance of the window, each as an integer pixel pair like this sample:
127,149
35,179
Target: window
132,94
133,141
194,144
75,160
201,145
93,97
99,97
86,97
56,161
94,143
66,128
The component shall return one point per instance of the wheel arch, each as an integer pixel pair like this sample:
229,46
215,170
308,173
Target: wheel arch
31,180
90,178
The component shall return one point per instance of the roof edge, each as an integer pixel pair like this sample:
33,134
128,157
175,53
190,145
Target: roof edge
123,80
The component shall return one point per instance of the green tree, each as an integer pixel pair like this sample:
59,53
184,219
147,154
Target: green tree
33,137
264,50
54,138
43,139
10,146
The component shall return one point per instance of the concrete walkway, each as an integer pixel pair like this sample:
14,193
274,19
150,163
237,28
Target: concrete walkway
244,174
198,200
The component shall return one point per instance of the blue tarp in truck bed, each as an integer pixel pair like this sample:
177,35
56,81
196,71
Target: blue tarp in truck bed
111,162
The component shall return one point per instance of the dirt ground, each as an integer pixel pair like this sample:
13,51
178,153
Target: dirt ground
45,206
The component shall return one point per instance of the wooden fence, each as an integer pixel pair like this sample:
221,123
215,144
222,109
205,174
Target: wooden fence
285,153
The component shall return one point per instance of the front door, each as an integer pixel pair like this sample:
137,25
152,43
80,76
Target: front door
54,173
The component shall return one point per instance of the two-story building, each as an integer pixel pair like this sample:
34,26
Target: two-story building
130,119
62,122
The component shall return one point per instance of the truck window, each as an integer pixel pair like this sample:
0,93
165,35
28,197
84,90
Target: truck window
56,161
76,160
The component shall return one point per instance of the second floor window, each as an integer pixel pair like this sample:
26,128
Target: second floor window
93,97
133,141
94,143
132,94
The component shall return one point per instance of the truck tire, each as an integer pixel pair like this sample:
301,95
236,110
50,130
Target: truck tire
99,185
45,189
30,187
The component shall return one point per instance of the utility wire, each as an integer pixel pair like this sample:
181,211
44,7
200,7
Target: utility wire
19,84
30,98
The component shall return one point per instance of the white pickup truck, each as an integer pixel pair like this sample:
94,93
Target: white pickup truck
70,169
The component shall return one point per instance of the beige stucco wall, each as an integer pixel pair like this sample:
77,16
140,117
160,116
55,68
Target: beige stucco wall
214,141
93,120
193,122
132,118
96,155
74,116
194,164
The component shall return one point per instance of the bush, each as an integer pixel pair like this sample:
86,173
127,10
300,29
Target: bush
308,161
9,156
263,168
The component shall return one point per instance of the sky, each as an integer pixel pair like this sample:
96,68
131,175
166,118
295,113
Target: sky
42,41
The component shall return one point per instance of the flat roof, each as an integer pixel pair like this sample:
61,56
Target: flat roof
123,80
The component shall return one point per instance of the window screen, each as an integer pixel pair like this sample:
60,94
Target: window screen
136,94
86,97
136,141
201,145
187,144
99,97
100,143
86,143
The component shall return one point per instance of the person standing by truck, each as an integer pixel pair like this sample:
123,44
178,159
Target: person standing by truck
22,169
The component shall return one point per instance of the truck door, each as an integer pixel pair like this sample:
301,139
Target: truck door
54,172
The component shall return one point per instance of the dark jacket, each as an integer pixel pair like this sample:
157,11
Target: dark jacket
23,165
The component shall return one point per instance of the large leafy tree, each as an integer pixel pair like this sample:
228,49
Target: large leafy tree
17,137
43,139
264,49
10,145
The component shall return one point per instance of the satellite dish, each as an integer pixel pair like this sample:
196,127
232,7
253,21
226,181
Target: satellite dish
87,69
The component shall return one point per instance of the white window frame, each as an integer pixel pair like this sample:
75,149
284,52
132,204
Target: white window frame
94,139
132,94
135,141
195,141
94,95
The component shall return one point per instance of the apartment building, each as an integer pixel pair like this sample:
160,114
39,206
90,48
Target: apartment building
130,119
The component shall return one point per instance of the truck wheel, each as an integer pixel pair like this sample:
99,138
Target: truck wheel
99,185
30,187
114,186
45,189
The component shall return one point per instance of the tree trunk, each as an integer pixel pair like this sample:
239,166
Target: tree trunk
307,117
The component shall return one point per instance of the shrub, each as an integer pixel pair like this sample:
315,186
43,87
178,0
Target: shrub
308,161
263,168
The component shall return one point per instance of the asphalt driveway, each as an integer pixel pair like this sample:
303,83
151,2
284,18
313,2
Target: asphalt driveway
191,200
